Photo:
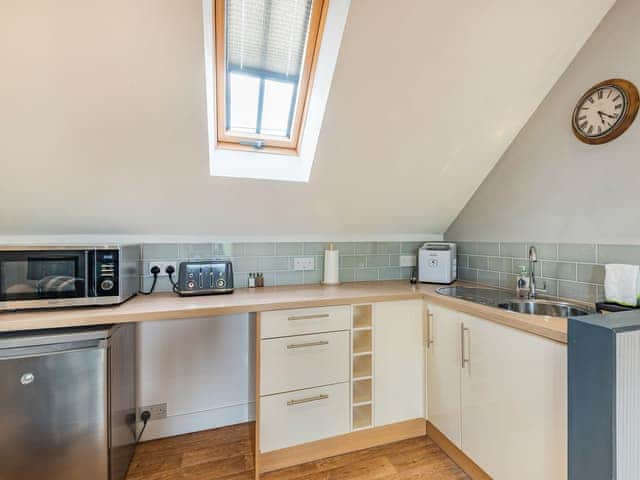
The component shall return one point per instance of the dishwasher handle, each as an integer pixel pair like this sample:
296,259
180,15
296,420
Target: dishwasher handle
52,349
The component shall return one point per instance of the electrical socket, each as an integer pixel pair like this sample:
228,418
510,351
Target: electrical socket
408,260
304,263
158,411
163,267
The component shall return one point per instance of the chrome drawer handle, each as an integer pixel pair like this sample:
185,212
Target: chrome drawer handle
309,317
310,344
291,403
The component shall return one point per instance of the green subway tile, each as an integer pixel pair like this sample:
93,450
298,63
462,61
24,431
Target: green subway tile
518,262
463,261
517,250
377,261
545,251
410,248
559,270
600,296
467,248
489,278
319,263
353,261
394,260
315,248
508,281
310,277
480,263
578,291
346,248
366,275
547,286
380,248
391,273
160,251
347,275
272,264
591,273
223,250
195,251
577,252
500,264
487,248
289,249
245,264
289,278
259,249
619,254
468,274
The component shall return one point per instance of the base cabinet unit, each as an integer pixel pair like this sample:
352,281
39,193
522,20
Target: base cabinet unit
338,372
399,362
509,392
444,376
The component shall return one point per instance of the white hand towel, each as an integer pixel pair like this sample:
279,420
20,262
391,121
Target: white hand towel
621,284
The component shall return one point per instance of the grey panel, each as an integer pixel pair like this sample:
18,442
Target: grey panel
592,376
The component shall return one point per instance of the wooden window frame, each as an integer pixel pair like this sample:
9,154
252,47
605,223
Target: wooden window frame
269,144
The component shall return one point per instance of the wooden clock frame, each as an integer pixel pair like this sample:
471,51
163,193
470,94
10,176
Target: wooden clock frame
629,114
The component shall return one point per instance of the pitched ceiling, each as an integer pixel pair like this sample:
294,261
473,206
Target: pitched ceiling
103,125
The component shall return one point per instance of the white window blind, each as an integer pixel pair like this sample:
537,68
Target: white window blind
265,45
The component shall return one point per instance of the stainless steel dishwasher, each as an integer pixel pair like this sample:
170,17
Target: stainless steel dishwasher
67,403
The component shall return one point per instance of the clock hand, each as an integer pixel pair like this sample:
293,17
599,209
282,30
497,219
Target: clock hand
600,115
610,116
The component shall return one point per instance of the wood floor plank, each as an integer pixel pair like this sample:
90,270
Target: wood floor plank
227,454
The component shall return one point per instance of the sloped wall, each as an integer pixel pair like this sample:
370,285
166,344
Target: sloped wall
548,186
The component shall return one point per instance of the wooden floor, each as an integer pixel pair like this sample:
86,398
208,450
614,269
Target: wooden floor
226,453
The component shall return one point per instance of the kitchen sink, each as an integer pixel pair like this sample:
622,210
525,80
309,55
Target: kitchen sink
503,299
545,307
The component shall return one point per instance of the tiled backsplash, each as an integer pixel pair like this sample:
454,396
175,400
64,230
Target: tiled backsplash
359,261
570,270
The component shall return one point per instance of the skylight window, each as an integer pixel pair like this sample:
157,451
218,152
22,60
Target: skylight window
266,52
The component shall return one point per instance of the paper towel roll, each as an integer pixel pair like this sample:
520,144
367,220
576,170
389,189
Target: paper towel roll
331,266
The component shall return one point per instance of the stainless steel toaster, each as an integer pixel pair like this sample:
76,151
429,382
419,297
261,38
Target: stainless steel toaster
205,277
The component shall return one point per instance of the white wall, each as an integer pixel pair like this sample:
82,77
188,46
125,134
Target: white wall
103,120
550,187
204,369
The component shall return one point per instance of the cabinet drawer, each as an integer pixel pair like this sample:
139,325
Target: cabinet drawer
305,361
304,416
304,320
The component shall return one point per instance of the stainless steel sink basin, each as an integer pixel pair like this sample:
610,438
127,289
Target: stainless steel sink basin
545,307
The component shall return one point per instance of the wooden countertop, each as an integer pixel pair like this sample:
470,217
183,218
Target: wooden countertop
167,306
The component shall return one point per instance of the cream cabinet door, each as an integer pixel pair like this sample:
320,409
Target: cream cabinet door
514,402
443,364
398,356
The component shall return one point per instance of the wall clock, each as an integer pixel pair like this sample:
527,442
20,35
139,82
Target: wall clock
606,111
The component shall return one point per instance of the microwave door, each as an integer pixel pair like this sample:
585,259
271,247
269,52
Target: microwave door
33,275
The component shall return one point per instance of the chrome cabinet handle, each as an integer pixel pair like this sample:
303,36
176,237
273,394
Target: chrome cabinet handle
465,359
430,329
317,398
309,317
310,344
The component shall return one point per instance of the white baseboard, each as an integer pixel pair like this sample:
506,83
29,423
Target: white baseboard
197,421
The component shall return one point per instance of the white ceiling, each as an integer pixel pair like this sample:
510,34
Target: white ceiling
103,122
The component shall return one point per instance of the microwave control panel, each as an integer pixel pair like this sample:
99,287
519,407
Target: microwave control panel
106,273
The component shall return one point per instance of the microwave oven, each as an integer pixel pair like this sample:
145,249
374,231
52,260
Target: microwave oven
67,276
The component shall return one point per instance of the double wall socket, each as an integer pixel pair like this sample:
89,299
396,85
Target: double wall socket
158,411
163,268
304,263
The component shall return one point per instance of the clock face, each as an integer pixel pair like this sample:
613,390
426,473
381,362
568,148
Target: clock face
600,111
